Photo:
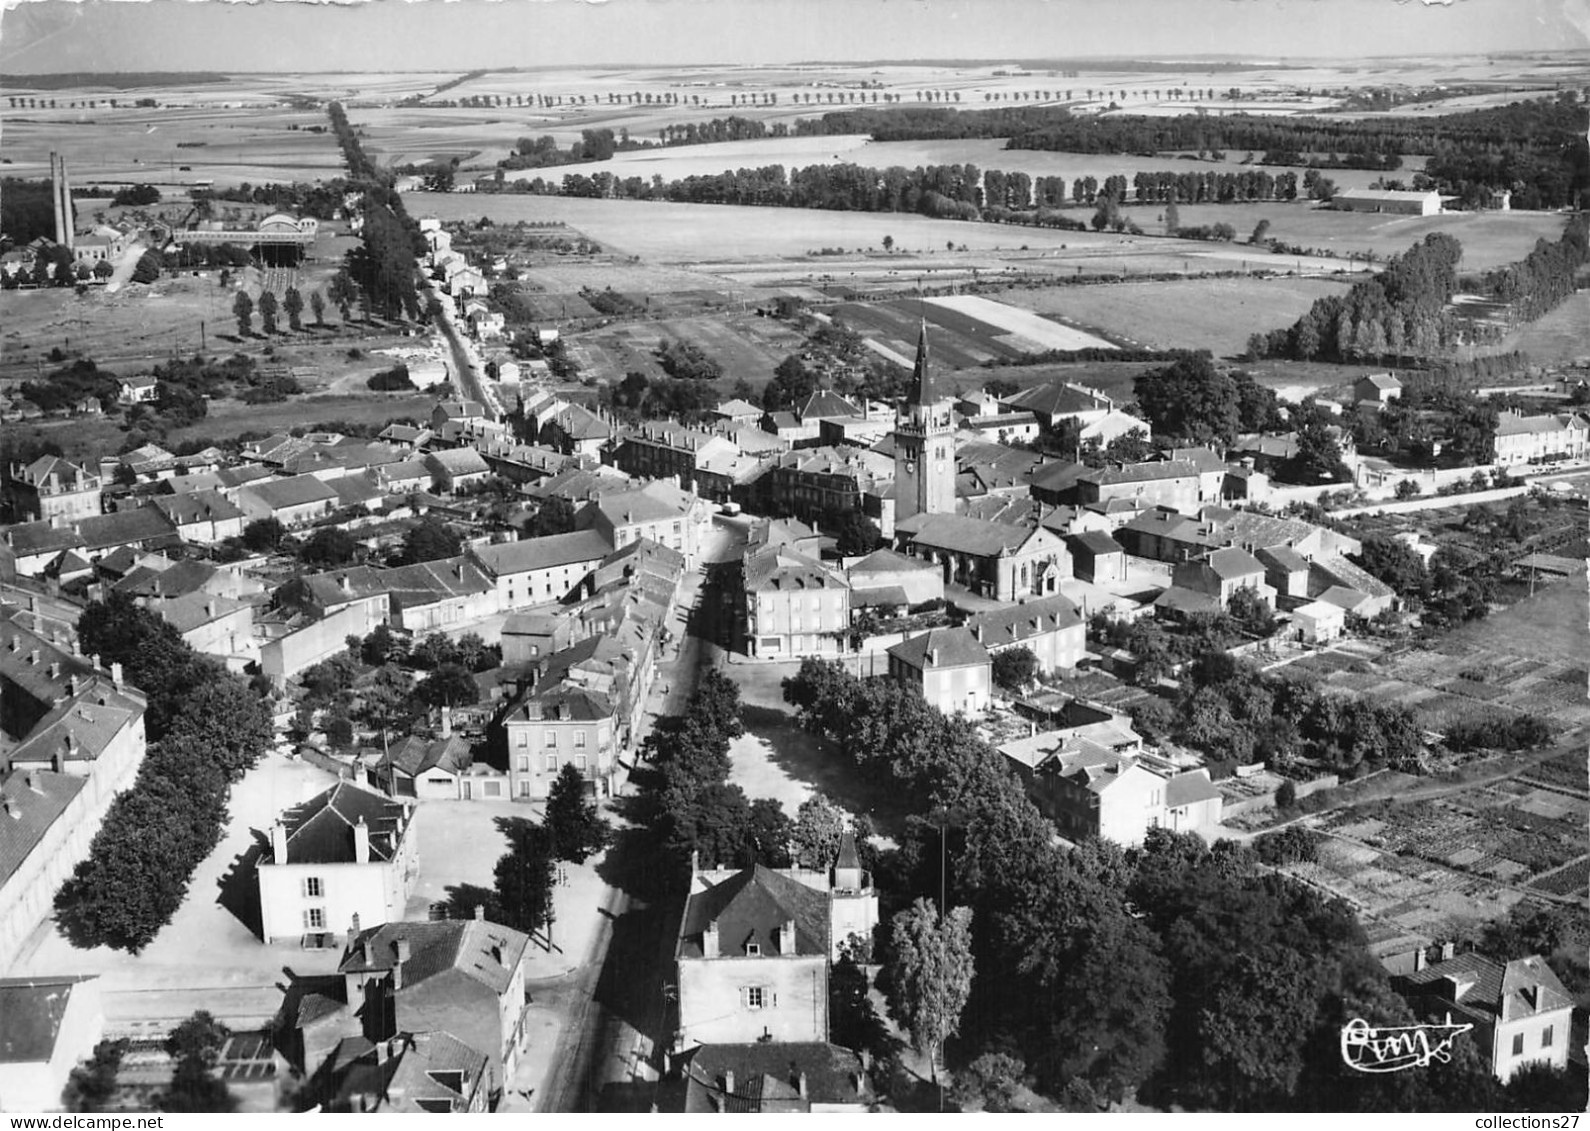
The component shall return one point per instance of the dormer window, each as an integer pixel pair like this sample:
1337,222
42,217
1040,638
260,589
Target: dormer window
753,950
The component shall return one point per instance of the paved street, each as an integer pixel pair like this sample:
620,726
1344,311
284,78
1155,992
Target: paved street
596,1030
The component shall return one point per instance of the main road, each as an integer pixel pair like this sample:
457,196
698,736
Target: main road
466,370
609,1059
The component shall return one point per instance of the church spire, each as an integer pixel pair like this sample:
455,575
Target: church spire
924,390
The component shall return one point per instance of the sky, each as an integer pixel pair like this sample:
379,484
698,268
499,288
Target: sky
373,35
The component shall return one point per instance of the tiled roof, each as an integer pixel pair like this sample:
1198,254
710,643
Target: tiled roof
962,535
429,582
780,568
415,755
1516,424
1283,558
1231,562
826,404
655,502
196,609
750,907
1015,623
1057,475
952,648
146,525
482,951
767,1077
197,506
294,492
1520,988
33,811
543,553
1056,399
1140,472
29,538
1189,788
458,461
1094,542
320,831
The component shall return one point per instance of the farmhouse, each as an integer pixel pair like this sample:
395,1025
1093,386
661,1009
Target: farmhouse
1388,200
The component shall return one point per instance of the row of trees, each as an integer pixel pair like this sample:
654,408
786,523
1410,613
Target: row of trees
1184,974
206,728
1543,278
383,267
1399,312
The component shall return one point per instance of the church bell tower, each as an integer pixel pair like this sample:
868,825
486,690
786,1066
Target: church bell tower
924,444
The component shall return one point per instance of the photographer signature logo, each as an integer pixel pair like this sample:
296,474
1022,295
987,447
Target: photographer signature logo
1394,1048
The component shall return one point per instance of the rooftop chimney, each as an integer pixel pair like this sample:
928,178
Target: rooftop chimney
728,1081
115,675
361,842
786,937
709,941
279,843
800,1085
400,947
13,810
480,912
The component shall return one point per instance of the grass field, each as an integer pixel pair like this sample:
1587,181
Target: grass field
1558,337
1213,314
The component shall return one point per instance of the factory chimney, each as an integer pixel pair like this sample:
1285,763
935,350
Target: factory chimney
55,195
69,221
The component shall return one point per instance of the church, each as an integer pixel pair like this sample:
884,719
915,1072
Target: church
991,559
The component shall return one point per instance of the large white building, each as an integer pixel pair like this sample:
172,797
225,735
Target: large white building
344,858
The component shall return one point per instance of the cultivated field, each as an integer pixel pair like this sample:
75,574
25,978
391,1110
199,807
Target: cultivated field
773,246
1530,657
127,145
1489,239
1213,314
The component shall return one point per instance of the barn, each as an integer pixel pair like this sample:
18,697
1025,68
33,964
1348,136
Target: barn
1388,200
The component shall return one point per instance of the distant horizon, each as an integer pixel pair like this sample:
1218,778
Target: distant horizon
53,37
1265,59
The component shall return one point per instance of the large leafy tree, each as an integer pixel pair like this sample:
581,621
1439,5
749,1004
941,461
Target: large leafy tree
525,876
930,973
573,823
429,541
819,825
1191,400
